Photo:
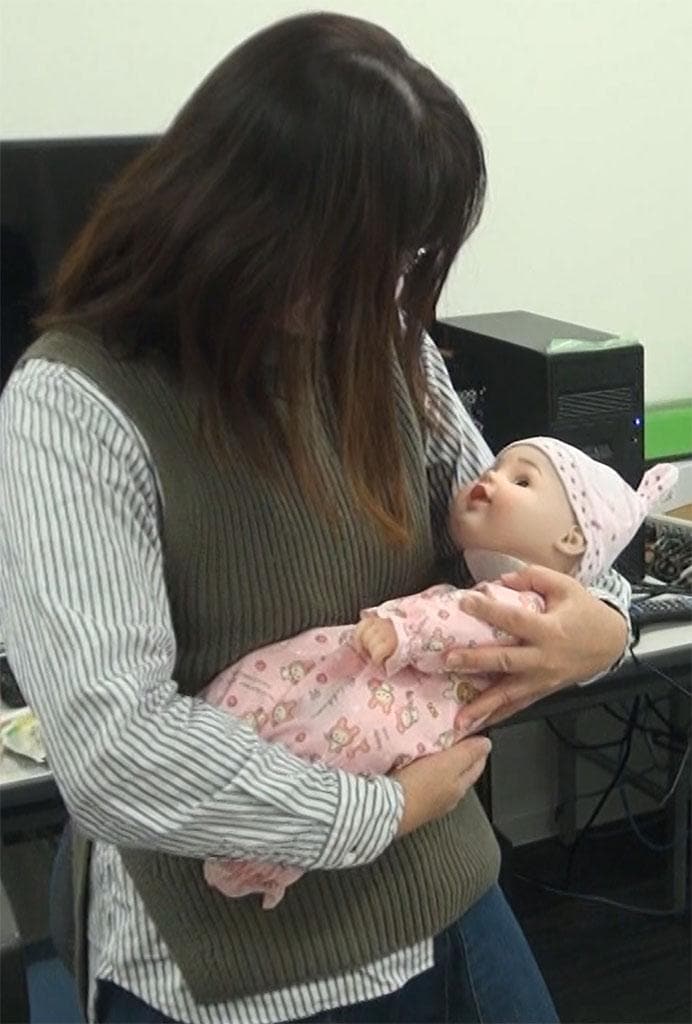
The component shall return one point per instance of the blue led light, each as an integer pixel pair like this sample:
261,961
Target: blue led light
637,421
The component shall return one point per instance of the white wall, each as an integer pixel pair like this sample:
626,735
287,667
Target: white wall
584,105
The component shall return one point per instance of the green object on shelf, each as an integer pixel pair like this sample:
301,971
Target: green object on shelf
559,345
668,430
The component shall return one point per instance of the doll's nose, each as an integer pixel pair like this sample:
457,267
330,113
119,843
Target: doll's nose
479,492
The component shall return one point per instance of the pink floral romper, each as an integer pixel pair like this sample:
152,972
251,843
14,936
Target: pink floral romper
319,697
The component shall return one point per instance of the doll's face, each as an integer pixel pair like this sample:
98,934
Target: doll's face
519,507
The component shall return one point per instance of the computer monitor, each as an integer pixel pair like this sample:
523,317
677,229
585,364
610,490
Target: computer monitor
49,188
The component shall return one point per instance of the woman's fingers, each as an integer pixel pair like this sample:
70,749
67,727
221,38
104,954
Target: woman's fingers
471,776
494,660
525,626
434,785
499,701
551,584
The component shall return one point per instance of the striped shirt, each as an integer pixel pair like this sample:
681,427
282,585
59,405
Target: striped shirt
88,629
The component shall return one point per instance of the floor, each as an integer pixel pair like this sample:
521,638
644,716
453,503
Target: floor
603,963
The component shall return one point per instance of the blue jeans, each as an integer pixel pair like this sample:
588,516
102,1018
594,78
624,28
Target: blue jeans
484,972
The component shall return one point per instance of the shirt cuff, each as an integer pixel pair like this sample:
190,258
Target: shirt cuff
607,598
370,809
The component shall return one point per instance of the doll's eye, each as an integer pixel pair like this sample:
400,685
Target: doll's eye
522,481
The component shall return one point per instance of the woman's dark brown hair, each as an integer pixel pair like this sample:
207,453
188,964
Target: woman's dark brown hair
274,218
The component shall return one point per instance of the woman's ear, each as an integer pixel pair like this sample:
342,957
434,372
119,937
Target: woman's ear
572,543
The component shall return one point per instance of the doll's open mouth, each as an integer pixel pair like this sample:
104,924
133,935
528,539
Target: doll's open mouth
478,493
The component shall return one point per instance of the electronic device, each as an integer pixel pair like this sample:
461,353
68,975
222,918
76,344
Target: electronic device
652,608
521,375
49,187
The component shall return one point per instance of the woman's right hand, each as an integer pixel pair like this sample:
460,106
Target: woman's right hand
434,785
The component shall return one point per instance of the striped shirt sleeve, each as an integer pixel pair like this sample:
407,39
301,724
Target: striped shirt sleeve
88,630
456,454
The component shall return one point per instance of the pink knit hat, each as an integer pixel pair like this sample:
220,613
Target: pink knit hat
606,508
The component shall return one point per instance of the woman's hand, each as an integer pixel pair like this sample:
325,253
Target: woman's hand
434,785
577,638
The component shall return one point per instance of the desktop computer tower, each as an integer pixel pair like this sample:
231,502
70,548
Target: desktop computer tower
520,375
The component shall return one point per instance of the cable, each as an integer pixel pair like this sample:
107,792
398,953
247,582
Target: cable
640,663
583,796
626,747
651,705
650,844
592,898
624,757
652,753
676,780
599,792
611,789
621,786
581,746
657,734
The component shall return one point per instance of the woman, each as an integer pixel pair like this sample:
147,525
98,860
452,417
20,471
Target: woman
234,429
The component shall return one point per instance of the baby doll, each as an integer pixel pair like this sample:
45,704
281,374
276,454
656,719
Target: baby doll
373,697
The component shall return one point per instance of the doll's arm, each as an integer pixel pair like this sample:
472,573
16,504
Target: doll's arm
394,631
428,625
424,627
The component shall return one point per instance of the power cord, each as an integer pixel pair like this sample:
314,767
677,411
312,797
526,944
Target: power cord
632,725
592,898
620,785
647,841
641,664
581,746
678,775
652,706
654,746
666,739
625,744
626,747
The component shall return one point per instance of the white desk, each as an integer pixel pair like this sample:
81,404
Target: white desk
665,638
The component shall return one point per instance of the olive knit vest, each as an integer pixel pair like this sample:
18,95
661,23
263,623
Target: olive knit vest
249,561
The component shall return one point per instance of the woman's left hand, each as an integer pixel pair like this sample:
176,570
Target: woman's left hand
577,638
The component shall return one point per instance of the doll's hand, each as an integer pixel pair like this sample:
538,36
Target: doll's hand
376,638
